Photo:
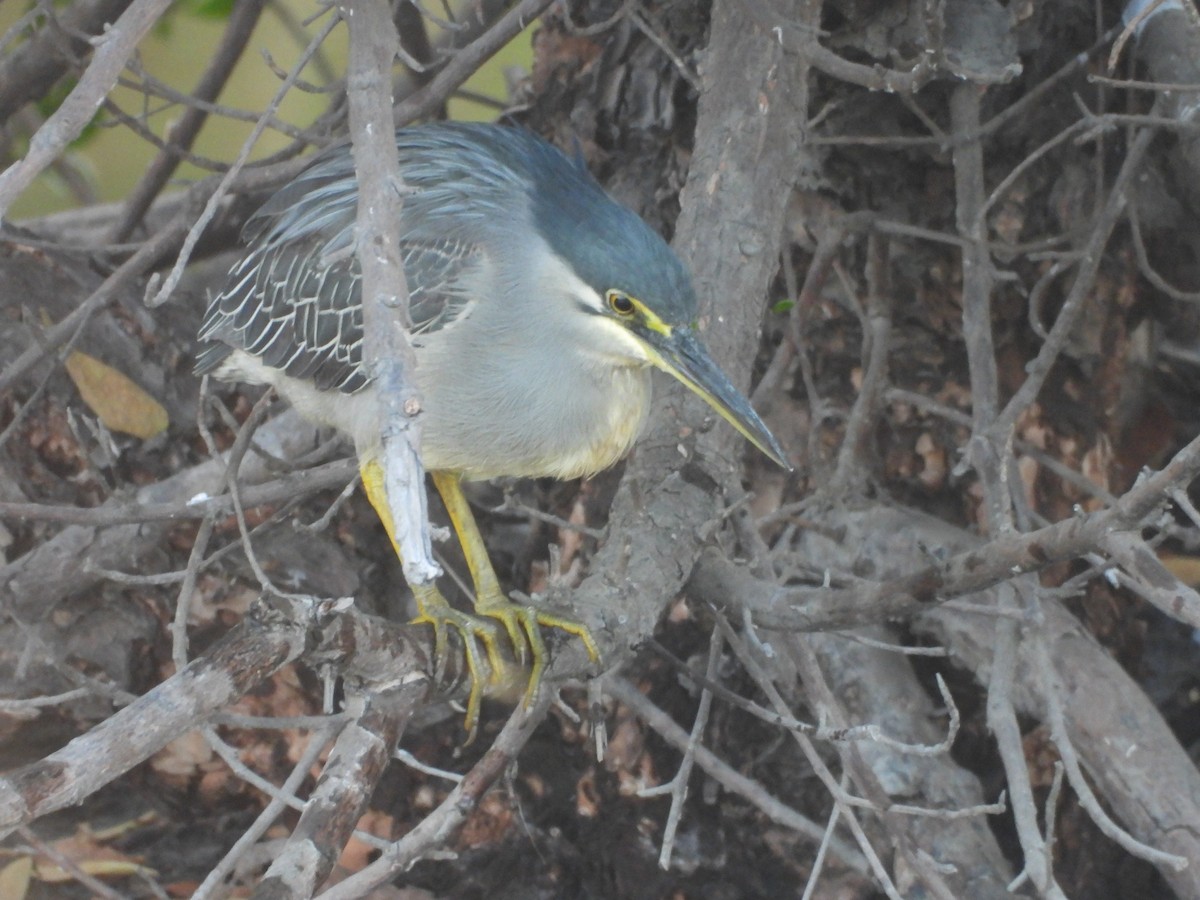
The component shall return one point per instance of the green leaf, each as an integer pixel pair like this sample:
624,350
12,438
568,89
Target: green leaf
209,9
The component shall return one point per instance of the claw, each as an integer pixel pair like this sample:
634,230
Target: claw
509,615
524,626
435,611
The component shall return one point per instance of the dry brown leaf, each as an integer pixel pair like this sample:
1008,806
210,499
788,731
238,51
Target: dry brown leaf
1040,756
933,474
89,854
15,878
1096,465
587,796
488,822
1185,568
1029,470
357,852
625,744
539,576
570,541
535,784
97,868
184,757
425,798
119,403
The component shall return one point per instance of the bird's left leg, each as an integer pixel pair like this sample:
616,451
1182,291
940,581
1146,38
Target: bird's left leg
523,623
436,611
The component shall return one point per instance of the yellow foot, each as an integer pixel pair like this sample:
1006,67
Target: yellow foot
499,673
436,611
524,626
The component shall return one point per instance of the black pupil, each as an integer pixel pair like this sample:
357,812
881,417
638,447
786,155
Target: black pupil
622,304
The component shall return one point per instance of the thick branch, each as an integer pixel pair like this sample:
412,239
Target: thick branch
729,233
260,645
274,633
363,750
864,602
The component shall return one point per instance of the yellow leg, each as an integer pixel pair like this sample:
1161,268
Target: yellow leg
434,609
523,623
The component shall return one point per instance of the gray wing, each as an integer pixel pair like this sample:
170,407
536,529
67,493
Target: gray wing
298,306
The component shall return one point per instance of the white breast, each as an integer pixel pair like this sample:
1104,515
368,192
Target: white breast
563,429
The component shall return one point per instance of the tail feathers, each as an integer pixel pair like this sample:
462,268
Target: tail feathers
210,357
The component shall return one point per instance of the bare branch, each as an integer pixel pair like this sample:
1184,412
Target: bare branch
112,51
32,68
242,19
387,352
720,581
729,777
347,781
437,827
252,651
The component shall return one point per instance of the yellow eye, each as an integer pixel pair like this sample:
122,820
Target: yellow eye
621,304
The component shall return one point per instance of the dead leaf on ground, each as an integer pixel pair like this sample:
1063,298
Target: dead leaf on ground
88,853
489,821
15,878
184,757
115,399
1185,568
358,853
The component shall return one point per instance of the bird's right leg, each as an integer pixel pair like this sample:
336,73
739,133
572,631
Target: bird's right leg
434,609
523,623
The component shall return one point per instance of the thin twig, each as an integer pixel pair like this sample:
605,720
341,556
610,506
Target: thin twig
677,787
818,864
169,284
272,811
767,684
1052,690
1073,305
74,113
990,453
242,19
729,777
853,460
